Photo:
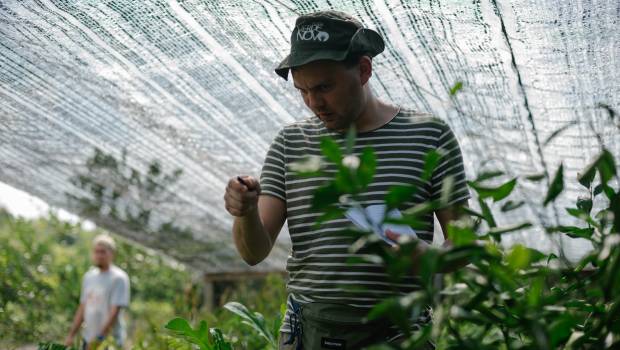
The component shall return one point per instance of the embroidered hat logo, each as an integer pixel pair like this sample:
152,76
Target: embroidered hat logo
312,32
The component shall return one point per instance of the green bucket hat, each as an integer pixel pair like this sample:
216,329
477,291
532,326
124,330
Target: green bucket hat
329,35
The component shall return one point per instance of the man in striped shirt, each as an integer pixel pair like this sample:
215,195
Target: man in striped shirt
331,65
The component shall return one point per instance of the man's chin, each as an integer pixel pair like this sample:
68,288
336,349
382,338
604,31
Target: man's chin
332,123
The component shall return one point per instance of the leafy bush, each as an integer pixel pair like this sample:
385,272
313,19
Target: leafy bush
41,266
510,297
205,338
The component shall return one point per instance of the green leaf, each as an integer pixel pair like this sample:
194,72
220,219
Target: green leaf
614,205
496,231
462,253
605,165
325,195
487,175
461,235
351,135
331,150
497,193
472,212
203,332
551,257
510,205
573,231
179,325
368,165
561,329
586,178
535,292
414,221
219,342
486,213
578,213
456,88
585,204
254,320
556,187
52,346
519,257
535,177
344,181
604,188
182,329
431,161
399,194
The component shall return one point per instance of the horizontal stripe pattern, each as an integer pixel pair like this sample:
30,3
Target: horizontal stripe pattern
319,266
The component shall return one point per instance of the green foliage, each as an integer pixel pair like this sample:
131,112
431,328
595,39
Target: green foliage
496,193
557,186
508,297
205,338
41,266
52,346
456,88
257,322
245,329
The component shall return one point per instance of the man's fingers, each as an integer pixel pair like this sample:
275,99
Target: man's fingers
240,206
239,199
252,183
234,211
231,193
235,185
232,201
244,197
392,235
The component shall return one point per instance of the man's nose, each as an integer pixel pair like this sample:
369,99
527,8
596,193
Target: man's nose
315,101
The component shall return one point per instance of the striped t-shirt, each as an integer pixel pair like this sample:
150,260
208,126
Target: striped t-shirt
318,267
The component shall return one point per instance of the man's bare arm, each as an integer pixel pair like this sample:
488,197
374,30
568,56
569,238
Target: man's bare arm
258,218
255,233
107,326
78,318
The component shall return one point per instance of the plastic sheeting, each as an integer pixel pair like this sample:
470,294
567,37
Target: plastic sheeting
191,84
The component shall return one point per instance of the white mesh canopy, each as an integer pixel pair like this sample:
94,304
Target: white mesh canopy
191,84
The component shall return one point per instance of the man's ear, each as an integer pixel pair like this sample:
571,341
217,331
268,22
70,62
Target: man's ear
365,69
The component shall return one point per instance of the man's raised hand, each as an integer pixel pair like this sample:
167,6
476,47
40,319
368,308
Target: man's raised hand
241,195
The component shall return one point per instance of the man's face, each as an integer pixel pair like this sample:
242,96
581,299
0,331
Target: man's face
332,91
102,256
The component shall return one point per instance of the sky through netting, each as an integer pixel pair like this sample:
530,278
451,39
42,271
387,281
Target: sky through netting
191,85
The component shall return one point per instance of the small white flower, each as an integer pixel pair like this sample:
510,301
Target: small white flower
352,162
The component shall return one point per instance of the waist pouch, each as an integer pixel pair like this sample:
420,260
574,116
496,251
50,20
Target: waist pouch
336,326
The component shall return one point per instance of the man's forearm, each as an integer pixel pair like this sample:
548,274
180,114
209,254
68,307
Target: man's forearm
252,240
110,321
77,321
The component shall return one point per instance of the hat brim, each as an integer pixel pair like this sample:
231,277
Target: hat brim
365,40
291,61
